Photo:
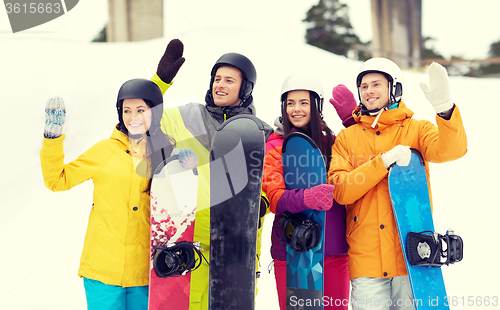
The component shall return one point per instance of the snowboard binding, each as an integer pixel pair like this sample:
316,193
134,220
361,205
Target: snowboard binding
430,249
300,232
176,259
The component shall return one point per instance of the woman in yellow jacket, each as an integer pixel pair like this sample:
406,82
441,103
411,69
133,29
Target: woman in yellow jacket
115,258
361,156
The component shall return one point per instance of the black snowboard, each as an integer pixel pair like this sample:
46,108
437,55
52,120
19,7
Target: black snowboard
236,164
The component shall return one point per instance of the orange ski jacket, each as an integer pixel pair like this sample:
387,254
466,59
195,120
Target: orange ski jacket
361,181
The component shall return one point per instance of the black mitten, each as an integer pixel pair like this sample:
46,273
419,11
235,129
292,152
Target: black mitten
171,61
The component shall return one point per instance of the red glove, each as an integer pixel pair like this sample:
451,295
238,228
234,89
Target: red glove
343,101
319,197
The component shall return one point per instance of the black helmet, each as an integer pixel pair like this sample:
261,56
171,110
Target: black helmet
141,89
241,63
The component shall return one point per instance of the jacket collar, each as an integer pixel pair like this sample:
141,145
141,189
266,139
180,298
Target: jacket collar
275,136
386,118
224,113
119,135
279,126
136,147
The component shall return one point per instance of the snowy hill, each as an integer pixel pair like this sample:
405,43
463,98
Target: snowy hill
41,232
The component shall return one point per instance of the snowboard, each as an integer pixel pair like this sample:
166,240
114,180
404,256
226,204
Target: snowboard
304,167
236,166
409,192
173,208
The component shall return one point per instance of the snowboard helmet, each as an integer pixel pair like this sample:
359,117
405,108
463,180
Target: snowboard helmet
390,70
248,73
303,82
141,89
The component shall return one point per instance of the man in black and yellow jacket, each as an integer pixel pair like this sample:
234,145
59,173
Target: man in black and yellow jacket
193,126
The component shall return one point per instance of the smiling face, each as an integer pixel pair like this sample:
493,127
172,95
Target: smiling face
374,90
136,116
298,108
226,87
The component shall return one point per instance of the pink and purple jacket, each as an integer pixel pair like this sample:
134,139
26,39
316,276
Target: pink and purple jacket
282,200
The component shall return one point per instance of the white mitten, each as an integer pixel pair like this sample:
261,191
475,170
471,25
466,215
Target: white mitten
400,155
438,91
55,115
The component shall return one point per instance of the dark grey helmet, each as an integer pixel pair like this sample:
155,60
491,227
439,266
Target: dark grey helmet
141,89
247,69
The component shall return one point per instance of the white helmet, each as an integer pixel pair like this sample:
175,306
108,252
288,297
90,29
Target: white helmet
303,82
387,68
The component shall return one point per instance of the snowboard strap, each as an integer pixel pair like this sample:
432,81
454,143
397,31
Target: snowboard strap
430,249
176,259
299,231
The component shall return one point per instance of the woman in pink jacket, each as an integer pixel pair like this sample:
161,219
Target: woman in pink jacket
302,101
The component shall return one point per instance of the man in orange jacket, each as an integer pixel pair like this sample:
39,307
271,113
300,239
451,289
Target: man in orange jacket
361,156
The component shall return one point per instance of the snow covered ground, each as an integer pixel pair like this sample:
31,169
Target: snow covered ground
41,232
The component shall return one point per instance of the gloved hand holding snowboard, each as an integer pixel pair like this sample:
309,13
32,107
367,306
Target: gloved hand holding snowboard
319,197
400,155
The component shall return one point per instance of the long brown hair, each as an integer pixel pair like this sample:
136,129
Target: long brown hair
318,130
159,146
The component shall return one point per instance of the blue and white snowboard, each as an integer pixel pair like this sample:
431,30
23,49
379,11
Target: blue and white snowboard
412,209
304,167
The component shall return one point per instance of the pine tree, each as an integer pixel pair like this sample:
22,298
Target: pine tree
492,69
428,51
494,49
331,29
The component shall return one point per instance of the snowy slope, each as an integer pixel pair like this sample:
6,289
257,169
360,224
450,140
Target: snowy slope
41,232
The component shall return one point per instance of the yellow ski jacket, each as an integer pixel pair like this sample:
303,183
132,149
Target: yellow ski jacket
116,246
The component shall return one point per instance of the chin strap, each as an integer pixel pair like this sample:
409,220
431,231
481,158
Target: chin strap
377,117
378,112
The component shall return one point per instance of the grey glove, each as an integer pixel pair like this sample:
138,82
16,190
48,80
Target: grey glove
55,115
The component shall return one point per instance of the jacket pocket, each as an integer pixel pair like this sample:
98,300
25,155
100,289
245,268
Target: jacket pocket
352,218
90,241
